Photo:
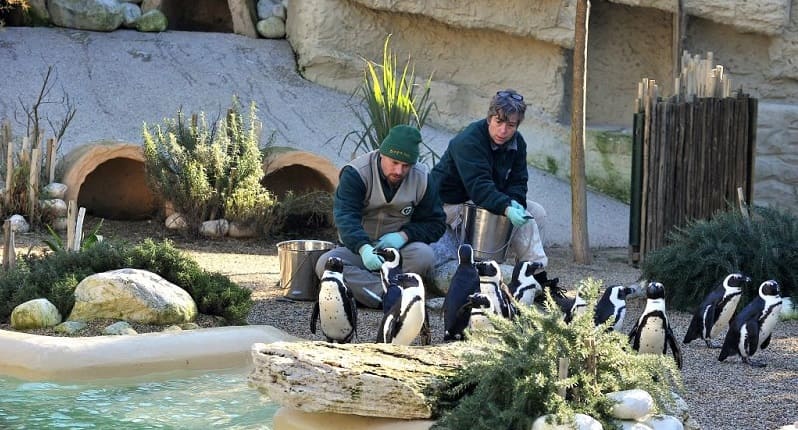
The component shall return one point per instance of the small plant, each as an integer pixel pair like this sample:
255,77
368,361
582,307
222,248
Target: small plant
389,99
56,244
300,213
209,172
511,377
54,276
705,251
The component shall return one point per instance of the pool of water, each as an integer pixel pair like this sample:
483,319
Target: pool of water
197,400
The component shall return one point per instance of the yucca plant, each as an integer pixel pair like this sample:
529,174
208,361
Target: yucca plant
390,97
511,376
705,251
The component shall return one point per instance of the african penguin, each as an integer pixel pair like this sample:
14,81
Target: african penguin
491,285
335,308
391,267
406,317
570,306
523,285
478,307
752,328
465,282
612,304
716,310
652,332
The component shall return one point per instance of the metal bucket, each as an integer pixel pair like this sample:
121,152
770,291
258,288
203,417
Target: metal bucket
298,267
487,233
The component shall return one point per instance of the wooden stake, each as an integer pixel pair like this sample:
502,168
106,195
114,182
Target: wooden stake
33,182
9,145
563,374
742,203
79,229
50,160
9,253
72,209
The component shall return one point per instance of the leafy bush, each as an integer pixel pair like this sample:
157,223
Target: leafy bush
511,377
209,172
54,276
389,99
704,252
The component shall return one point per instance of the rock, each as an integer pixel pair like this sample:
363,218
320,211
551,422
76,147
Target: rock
664,422
59,224
239,230
435,303
131,12
132,295
95,15
176,221
36,313
152,21
271,28
634,425
119,328
581,421
172,329
53,208
632,404
280,11
190,326
215,228
357,379
54,190
70,327
264,8
18,224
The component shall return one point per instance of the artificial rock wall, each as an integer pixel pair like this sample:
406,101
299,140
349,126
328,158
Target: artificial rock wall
472,49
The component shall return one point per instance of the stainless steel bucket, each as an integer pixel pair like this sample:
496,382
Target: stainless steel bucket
487,233
298,267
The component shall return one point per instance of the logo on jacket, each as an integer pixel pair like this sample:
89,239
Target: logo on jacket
407,210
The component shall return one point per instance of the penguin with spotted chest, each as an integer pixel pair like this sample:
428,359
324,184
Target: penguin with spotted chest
652,332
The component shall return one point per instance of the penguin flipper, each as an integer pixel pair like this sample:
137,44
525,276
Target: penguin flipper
730,343
314,317
675,350
634,339
752,342
765,343
695,328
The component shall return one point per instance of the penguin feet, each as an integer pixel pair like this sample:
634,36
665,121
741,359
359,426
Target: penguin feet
753,363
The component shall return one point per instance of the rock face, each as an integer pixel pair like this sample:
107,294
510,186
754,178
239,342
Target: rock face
358,379
132,295
37,313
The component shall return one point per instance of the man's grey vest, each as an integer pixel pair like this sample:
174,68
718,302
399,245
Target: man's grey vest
380,216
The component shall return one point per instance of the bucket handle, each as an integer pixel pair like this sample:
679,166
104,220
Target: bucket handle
291,278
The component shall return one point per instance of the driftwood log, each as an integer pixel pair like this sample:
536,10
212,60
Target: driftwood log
376,380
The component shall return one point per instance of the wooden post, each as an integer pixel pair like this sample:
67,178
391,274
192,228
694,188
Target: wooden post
51,160
579,233
563,374
9,144
79,229
72,209
33,182
743,204
9,253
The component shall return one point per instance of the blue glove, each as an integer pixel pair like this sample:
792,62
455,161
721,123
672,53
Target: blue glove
517,216
516,205
392,240
371,260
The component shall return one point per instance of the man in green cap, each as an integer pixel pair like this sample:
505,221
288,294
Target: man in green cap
384,200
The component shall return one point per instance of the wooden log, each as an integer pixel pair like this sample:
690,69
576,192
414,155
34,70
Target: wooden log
8,144
376,380
51,145
9,253
33,182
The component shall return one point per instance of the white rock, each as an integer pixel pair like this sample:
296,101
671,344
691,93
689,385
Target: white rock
36,313
54,190
18,224
242,230
176,221
264,8
634,425
271,28
53,208
215,228
131,12
664,422
633,404
132,295
119,328
70,327
581,421
59,224
279,10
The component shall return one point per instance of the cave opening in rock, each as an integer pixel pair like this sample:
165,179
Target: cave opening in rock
117,189
211,16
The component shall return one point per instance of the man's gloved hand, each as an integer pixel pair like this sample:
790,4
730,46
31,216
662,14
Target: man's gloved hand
516,205
392,240
371,260
517,216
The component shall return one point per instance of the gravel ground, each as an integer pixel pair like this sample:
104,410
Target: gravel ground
721,395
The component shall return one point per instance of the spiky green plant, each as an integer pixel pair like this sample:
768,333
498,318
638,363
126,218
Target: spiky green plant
209,172
512,375
389,98
705,251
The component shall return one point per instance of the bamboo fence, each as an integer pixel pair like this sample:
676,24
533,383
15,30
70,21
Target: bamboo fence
691,152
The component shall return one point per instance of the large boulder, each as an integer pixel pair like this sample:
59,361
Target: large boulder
132,295
37,313
95,15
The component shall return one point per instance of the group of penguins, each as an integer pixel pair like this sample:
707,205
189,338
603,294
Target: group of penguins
477,290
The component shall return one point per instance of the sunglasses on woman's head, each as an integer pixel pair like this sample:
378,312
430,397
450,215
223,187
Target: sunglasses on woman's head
514,96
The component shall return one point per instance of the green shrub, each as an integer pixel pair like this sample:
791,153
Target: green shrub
209,172
389,99
704,252
54,276
511,377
